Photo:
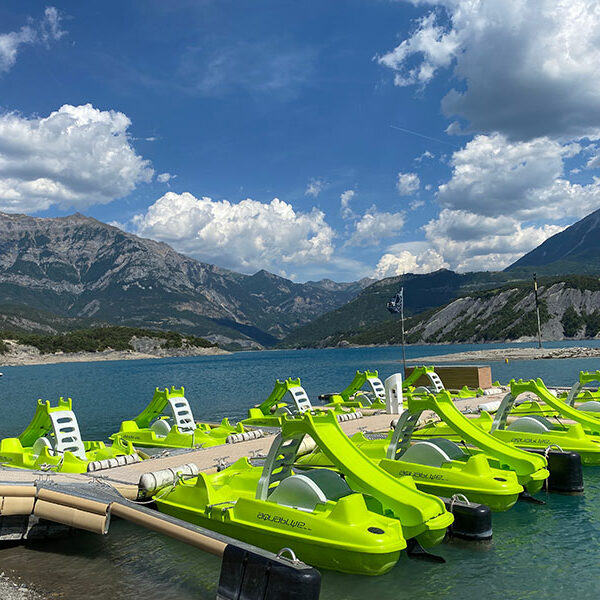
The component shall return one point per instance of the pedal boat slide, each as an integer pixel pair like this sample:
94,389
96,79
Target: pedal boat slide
533,431
52,442
152,429
270,412
438,466
359,524
531,469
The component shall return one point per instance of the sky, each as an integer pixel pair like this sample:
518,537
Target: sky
340,139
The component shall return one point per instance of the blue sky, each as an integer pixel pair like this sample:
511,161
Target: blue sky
335,139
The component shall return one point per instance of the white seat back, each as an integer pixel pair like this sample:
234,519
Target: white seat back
590,406
40,444
66,433
528,425
160,427
425,453
298,491
329,482
182,414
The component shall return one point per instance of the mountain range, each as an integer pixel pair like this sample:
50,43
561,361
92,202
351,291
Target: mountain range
365,320
56,273
574,250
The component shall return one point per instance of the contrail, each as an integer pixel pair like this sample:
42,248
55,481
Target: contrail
426,137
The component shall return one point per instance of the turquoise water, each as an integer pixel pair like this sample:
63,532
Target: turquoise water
537,551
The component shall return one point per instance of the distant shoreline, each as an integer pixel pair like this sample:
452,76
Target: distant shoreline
32,356
500,354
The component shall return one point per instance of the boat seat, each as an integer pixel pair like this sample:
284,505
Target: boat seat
365,398
161,427
330,483
40,444
452,449
298,491
533,424
425,453
590,406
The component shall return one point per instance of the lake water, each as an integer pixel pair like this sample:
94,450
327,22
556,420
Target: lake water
537,551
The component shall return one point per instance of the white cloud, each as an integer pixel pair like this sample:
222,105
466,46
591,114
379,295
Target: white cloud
527,69
165,177
416,204
75,157
345,199
247,236
437,45
472,242
505,198
314,187
425,155
43,31
375,226
408,183
493,177
404,261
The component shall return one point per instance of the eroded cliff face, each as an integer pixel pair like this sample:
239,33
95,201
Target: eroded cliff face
79,268
565,311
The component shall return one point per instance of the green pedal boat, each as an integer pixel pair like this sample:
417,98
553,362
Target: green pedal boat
359,524
584,400
52,442
528,432
354,396
270,412
531,469
152,429
530,425
438,466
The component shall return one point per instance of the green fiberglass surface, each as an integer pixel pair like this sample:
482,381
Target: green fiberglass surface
357,525
586,402
52,442
530,469
441,469
152,428
533,424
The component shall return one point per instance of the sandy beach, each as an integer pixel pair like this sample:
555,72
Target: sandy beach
502,354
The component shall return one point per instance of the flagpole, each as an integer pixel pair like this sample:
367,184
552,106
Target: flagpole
537,310
402,328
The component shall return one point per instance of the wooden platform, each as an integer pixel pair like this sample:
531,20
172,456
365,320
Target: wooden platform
454,377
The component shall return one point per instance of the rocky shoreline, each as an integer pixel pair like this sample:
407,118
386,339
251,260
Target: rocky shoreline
501,354
10,590
19,355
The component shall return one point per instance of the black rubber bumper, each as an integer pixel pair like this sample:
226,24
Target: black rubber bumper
566,472
471,521
246,575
